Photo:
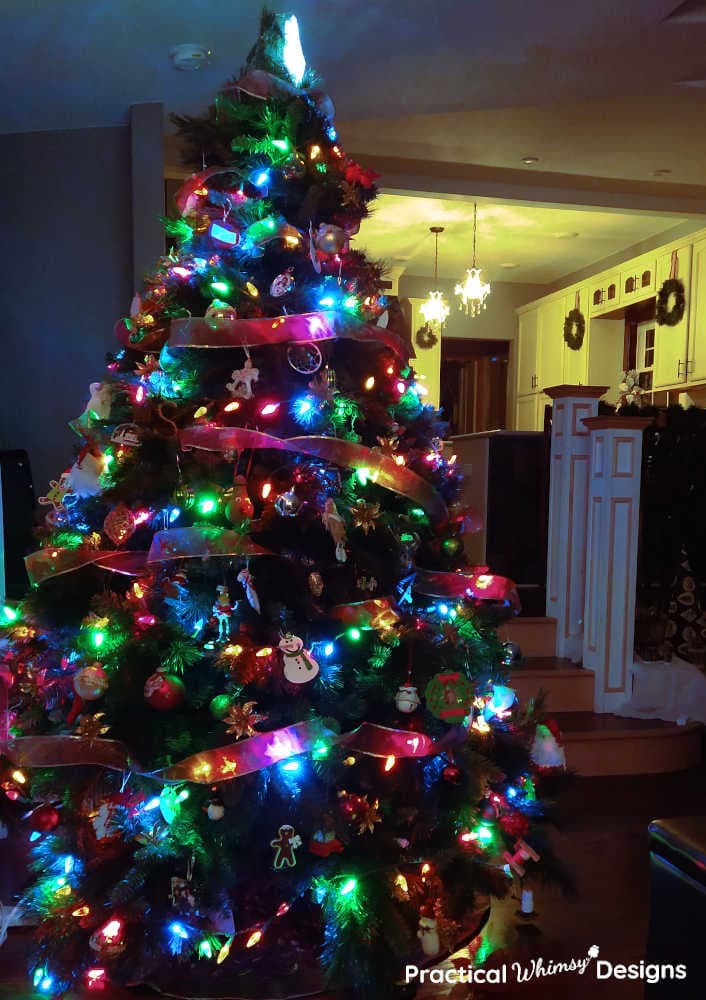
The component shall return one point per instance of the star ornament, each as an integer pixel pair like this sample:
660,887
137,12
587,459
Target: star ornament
364,515
367,815
91,727
242,719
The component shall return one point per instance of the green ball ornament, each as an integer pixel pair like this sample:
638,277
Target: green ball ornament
219,706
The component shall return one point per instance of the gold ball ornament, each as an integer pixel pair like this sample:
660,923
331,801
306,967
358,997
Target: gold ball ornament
91,682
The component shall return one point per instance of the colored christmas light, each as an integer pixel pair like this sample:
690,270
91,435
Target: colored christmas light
282,909
254,939
354,634
390,762
204,949
10,614
96,979
221,288
231,407
269,409
349,886
266,490
292,52
207,505
224,952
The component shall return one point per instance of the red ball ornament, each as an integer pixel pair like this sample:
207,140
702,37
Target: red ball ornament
163,691
451,774
44,818
515,824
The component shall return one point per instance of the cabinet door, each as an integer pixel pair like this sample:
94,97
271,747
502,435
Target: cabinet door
576,362
671,341
527,352
604,294
551,342
526,412
637,279
606,347
697,315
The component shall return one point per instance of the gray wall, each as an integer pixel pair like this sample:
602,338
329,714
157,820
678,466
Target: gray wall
496,322
65,220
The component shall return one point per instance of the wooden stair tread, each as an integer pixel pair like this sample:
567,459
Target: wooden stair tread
533,666
592,725
531,620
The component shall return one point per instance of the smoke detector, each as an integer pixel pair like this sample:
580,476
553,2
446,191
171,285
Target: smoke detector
190,56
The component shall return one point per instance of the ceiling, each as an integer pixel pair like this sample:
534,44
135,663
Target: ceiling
543,245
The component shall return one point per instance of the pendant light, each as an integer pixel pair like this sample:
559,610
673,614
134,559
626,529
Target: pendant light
434,309
473,292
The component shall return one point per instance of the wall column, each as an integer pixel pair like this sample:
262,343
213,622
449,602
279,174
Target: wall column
568,504
611,554
147,172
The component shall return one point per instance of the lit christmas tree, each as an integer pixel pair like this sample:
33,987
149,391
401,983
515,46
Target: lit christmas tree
255,709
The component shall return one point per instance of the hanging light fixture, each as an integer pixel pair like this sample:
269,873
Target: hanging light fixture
473,292
435,310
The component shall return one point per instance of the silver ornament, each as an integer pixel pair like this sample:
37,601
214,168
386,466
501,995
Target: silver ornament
288,504
306,359
282,284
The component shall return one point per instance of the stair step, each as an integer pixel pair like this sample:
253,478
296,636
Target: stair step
534,636
598,744
568,688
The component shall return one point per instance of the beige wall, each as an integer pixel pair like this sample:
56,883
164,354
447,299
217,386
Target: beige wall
497,321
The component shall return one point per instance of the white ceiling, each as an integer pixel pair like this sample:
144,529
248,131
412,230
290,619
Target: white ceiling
544,243
80,63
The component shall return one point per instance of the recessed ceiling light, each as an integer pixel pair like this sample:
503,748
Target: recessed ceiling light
189,56
530,159
509,266
565,236
661,172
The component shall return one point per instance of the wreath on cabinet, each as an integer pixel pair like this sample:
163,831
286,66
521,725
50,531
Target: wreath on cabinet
574,329
425,336
671,302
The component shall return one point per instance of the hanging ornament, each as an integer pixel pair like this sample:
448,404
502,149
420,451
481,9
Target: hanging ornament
428,932
511,653
364,515
324,385
288,504
327,239
546,750
126,436
324,842
216,809
184,496
294,168
306,359
522,852
242,719
245,578
237,504
449,696
451,774
222,610
163,691
84,475
109,940
287,841
367,583
219,706
500,702
91,682
335,525
316,583
220,311
299,666
283,283
243,380
360,813
119,524
407,698
44,818
170,800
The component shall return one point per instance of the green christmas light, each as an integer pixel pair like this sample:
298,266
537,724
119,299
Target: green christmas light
349,886
320,751
350,302
204,949
10,614
98,638
220,287
207,504
418,514
281,144
354,634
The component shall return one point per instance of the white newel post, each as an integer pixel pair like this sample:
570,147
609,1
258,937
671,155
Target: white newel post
611,554
568,506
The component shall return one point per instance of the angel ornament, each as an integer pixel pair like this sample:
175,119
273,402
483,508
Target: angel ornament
243,380
336,527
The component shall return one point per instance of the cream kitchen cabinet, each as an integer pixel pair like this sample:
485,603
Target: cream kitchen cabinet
551,341
576,362
604,293
671,354
606,344
528,352
696,371
637,279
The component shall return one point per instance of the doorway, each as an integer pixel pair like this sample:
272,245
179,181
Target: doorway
474,384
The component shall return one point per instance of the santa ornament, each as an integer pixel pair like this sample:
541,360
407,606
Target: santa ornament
299,666
546,750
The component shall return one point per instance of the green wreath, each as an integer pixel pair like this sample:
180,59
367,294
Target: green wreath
672,290
425,336
574,329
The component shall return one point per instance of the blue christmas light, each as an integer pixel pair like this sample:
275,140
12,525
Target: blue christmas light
69,864
329,649
443,610
327,301
174,513
304,410
331,133
291,766
511,793
152,804
262,178
179,930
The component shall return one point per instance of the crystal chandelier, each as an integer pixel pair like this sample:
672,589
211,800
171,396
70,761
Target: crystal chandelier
473,292
434,308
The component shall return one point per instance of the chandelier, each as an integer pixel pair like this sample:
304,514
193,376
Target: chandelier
473,292
434,309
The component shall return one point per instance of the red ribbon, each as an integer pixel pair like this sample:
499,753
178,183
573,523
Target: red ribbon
303,328
201,541
479,585
346,454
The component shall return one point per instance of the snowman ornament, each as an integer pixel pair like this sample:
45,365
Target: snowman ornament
428,932
407,698
299,666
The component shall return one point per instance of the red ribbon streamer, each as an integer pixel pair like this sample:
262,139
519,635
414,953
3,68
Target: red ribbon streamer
201,541
346,454
303,328
479,586
53,561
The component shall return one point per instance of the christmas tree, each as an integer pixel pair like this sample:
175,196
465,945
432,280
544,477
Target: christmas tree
256,713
